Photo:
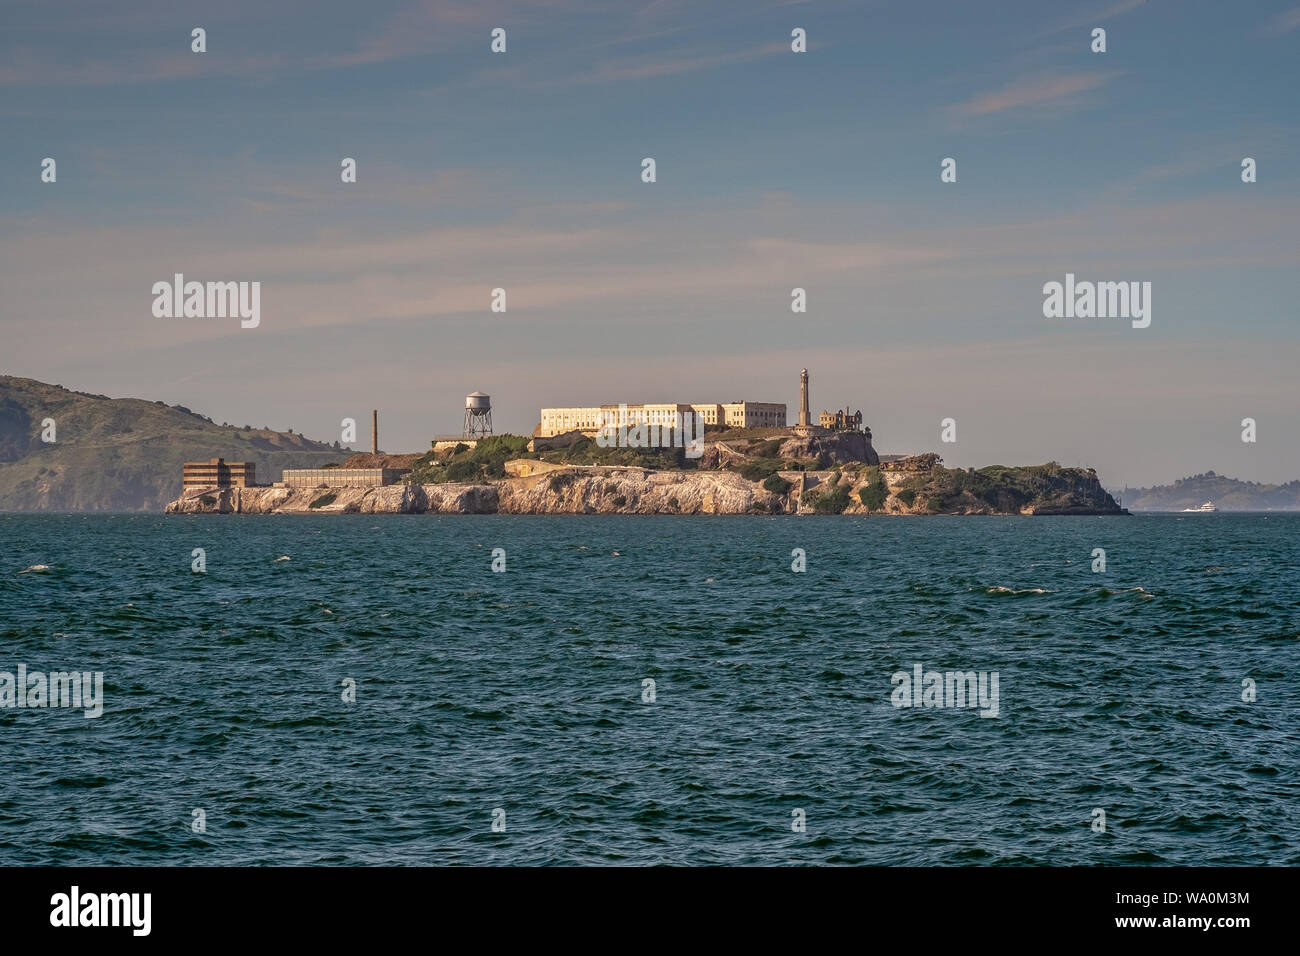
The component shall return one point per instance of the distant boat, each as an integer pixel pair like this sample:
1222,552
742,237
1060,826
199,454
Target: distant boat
1203,509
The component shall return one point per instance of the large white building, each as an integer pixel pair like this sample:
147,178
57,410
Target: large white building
557,421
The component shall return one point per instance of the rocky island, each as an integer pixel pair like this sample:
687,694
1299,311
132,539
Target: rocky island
764,471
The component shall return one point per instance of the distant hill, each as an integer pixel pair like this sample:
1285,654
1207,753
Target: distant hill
1228,494
122,454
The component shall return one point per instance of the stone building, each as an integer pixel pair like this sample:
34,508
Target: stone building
839,421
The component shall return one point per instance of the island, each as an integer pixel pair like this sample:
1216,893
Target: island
758,471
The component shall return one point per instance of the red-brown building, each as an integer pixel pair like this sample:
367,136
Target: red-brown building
219,473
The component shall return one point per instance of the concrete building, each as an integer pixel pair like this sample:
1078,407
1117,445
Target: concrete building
587,418
341,477
754,414
219,473
557,421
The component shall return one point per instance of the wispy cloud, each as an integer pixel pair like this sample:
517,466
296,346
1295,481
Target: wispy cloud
1029,91
1285,22
650,67
1097,19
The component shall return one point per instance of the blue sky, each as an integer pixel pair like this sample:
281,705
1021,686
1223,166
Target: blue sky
775,170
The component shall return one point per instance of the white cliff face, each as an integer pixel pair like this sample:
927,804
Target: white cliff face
389,499
637,491
626,491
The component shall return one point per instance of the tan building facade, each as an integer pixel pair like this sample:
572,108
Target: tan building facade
557,421
754,414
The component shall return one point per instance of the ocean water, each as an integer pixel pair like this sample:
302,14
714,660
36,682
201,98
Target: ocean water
523,691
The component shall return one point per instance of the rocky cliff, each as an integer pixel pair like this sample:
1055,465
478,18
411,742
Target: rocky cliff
629,491
850,446
645,491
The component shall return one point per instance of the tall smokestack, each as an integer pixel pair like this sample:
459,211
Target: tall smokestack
374,432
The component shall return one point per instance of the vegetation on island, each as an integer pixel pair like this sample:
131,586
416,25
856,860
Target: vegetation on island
874,492
1002,489
486,460
776,484
483,462
586,451
921,483
829,498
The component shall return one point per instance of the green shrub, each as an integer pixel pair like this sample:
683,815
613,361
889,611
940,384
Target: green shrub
907,496
561,481
826,500
585,451
873,494
832,502
462,471
776,484
323,500
758,470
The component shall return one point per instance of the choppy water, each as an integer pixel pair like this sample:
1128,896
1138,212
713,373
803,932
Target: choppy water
523,690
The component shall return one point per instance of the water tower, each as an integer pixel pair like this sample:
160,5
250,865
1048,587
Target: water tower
478,415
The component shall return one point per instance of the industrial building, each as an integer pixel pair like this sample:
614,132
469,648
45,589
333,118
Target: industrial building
219,473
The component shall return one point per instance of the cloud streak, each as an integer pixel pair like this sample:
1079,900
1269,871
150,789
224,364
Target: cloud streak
1036,91
1285,22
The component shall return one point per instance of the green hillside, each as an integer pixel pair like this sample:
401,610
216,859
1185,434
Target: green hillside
122,454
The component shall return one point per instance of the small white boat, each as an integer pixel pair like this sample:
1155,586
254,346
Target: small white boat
1203,509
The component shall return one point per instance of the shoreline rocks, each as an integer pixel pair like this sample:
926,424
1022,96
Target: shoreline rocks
577,490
